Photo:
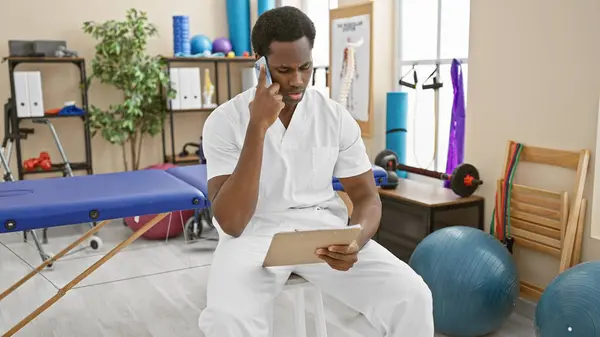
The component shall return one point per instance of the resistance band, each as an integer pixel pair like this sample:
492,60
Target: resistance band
500,226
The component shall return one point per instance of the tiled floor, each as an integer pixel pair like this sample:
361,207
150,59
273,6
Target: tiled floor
152,288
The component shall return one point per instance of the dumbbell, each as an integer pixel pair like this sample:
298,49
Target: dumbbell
464,179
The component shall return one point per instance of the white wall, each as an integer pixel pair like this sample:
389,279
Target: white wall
533,78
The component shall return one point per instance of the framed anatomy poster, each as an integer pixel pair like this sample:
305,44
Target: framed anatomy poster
351,59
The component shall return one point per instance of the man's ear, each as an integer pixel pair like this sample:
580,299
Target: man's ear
256,56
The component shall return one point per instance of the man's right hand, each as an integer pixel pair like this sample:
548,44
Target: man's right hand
267,103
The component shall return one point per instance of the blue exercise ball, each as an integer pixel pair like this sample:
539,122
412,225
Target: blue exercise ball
472,277
200,44
570,305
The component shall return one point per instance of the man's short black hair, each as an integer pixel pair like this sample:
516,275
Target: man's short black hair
281,24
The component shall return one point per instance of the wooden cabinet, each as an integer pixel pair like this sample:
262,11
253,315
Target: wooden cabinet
415,209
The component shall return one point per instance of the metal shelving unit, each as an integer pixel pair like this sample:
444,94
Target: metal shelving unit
13,122
172,156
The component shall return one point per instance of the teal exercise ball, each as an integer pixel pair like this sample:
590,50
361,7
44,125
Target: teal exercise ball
570,305
200,44
472,277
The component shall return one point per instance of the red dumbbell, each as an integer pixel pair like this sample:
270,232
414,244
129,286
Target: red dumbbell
45,163
30,164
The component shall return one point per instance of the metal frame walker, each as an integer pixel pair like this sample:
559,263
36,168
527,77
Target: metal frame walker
95,242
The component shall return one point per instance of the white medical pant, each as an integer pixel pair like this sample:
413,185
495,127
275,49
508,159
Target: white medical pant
241,293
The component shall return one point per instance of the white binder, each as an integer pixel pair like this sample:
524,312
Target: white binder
22,94
34,87
185,88
174,77
195,88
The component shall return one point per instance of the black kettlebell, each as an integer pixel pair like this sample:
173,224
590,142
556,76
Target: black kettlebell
388,160
392,181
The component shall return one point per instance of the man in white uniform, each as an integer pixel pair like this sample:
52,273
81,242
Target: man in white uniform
271,153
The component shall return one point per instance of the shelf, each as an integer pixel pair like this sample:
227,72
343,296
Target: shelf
52,116
21,59
58,168
210,59
217,63
193,110
191,159
12,121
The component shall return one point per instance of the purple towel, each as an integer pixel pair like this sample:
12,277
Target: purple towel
457,123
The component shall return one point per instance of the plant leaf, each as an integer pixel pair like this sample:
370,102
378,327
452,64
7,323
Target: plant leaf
121,61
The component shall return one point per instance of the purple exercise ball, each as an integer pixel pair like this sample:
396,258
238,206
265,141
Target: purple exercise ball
222,45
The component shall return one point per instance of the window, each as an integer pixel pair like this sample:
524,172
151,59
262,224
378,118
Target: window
318,11
432,34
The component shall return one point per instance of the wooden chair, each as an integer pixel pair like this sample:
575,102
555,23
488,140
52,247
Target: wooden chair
544,220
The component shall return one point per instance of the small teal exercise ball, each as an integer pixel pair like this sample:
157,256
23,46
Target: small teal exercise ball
570,304
200,44
472,277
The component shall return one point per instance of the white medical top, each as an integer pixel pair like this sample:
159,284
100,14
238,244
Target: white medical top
322,140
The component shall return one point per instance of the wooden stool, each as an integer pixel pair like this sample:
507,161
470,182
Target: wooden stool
297,284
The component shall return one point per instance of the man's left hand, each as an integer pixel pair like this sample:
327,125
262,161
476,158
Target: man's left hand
340,258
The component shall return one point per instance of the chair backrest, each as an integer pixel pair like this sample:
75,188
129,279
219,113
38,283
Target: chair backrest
538,218
548,221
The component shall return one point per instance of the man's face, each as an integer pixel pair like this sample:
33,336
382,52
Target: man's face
290,64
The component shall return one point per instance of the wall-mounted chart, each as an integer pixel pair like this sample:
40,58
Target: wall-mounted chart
351,57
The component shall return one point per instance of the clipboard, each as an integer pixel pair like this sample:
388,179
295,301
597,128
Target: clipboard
299,247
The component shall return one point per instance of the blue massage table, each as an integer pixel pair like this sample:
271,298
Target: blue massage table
37,204
196,176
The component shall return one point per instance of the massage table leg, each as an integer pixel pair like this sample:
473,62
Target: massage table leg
52,259
61,292
95,242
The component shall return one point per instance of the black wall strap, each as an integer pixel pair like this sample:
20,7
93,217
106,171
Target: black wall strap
395,130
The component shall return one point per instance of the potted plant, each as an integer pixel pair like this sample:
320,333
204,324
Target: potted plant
121,61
